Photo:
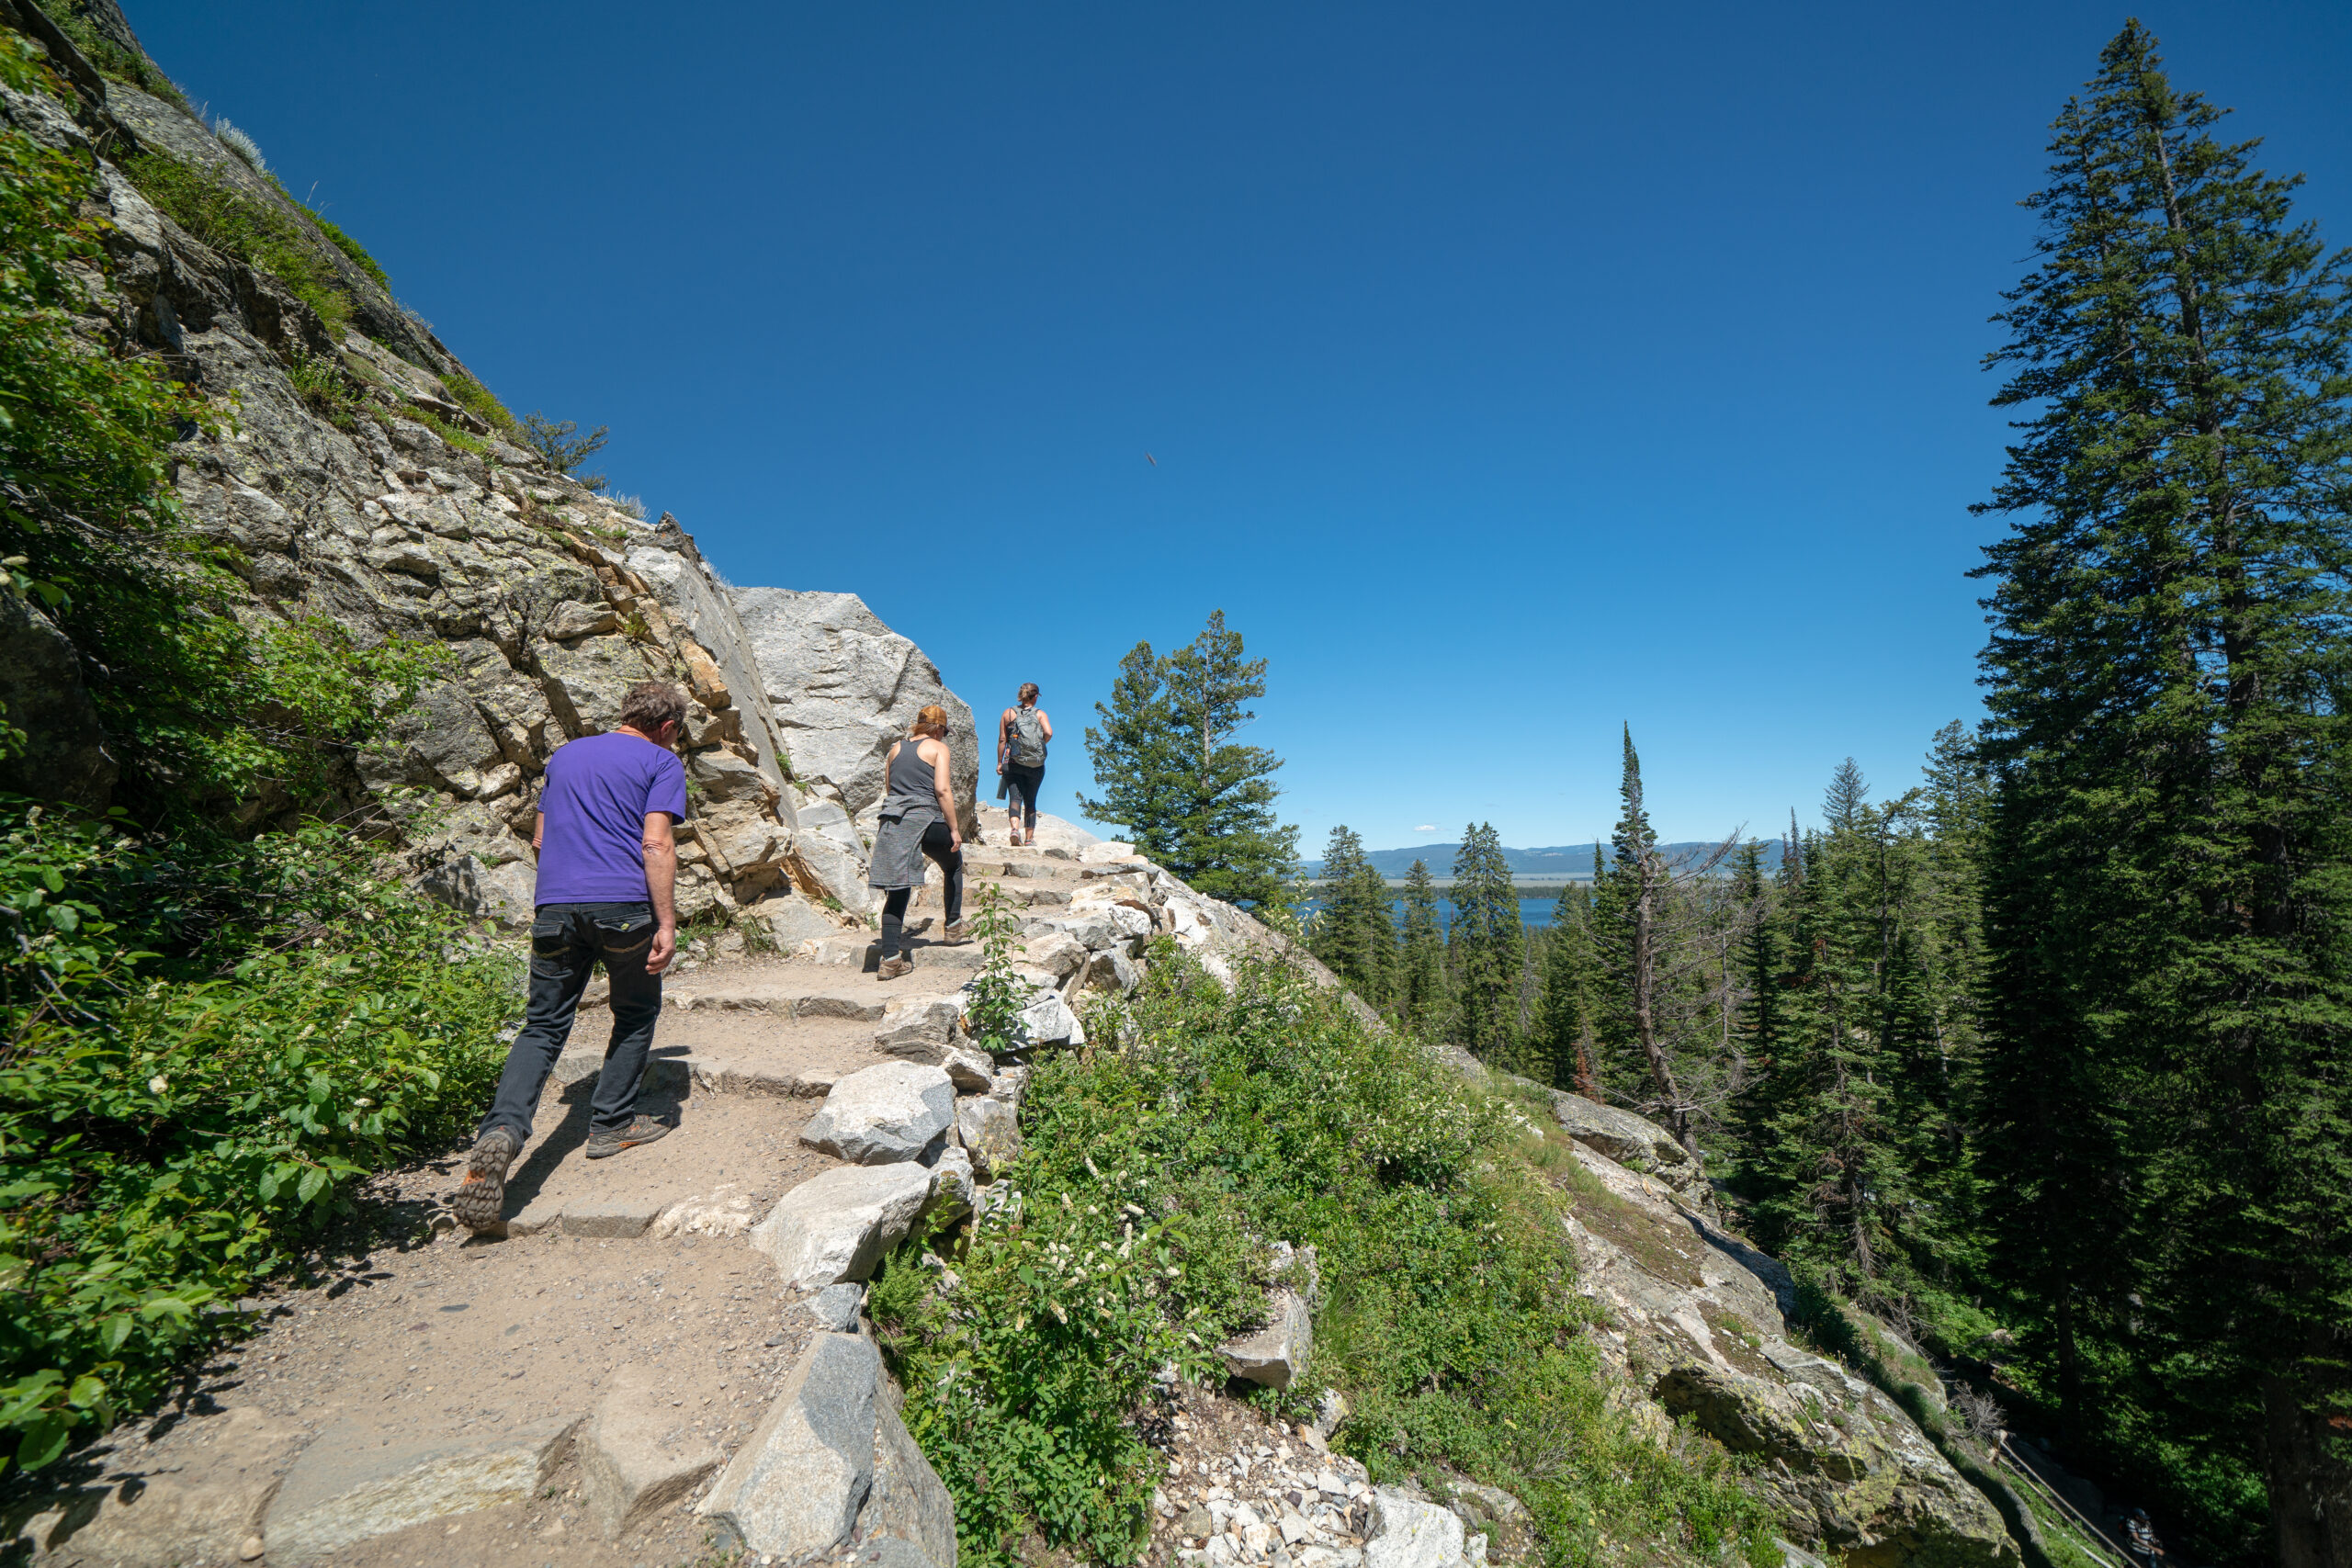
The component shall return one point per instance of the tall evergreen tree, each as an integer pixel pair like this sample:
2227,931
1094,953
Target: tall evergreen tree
1631,910
1423,999
1170,772
2170,880
1483,945
1559,1036
1354,932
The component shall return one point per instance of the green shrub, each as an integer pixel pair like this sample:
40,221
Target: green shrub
477,399
325,385
559,443
110,59
204,202
205,1045
1153,1179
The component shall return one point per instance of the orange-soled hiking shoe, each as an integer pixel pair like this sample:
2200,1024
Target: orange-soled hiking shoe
641,1129
482,1193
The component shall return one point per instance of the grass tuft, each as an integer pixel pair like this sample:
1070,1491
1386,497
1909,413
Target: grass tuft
203,202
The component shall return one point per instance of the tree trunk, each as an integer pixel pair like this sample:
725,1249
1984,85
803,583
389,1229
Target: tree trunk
2309,1479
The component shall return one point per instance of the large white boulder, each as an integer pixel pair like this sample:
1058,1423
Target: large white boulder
1409,1533
842,687
837,1225
795,1488
832,1463
884,1114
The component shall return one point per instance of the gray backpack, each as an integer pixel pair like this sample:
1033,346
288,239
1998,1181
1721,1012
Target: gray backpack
1028,739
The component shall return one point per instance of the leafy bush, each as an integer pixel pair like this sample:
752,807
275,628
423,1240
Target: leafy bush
204,202
199,1052
110,59
1152,1182
478,399
559,441
203,1040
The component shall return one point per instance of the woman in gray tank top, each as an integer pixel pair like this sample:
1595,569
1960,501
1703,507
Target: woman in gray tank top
917,820
1021,739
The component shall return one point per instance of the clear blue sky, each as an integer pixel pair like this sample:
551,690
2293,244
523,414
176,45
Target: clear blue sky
1513,371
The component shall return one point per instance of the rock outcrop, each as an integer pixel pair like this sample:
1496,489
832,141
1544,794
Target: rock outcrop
396,502
1703,1324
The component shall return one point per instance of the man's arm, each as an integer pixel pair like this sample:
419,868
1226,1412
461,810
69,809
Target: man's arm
538,831
662,885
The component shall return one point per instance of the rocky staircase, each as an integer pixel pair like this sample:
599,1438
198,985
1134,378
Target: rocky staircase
662,1352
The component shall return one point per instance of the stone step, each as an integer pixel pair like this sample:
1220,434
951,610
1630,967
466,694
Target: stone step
844,998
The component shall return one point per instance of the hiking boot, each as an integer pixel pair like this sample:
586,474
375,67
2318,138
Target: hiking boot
958,933
641,1129
482,1193
892,968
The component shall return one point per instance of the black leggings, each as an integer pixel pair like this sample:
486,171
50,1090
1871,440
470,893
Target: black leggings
1021,793
939,843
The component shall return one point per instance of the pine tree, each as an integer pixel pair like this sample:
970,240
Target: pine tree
2169,1075
1483,945
1135,757
1559,1038
1422,997
1632,947
1354,932
1170,772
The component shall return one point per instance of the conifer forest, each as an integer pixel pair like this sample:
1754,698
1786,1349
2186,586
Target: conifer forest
2047,1057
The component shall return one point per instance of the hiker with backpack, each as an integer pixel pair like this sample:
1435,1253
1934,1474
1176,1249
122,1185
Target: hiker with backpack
1021,736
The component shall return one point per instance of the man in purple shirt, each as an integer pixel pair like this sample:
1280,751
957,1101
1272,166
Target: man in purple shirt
608,868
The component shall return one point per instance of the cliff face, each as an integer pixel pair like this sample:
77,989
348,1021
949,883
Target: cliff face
364,477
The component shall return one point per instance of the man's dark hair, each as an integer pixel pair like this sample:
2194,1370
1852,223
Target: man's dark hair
652,704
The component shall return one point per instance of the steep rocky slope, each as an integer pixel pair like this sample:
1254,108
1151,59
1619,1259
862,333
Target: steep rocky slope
365,479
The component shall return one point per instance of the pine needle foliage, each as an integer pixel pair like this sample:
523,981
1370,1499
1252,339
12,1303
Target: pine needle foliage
2169,1154
1171,773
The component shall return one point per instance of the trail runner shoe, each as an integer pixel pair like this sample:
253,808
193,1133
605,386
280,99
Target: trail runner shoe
892,968
482,1193
641,1129
957,935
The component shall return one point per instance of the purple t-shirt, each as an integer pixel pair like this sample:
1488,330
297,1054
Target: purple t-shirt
600,789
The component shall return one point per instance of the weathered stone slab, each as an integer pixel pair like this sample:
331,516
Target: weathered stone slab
970,1071
835,1307
1113,972
614,1219
587,1061
991,1129
795,1487
1275,1356
197,1497
909,1502
883,1114
865,1002
951,1181
349,1486
918,1029
1408,1533
638,1455
837,1225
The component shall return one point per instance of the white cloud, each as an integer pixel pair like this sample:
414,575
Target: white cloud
1426,827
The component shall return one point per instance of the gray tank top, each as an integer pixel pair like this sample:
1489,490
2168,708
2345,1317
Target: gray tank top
913,790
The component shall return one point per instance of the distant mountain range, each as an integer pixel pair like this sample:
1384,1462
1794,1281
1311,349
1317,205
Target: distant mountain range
1559,863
